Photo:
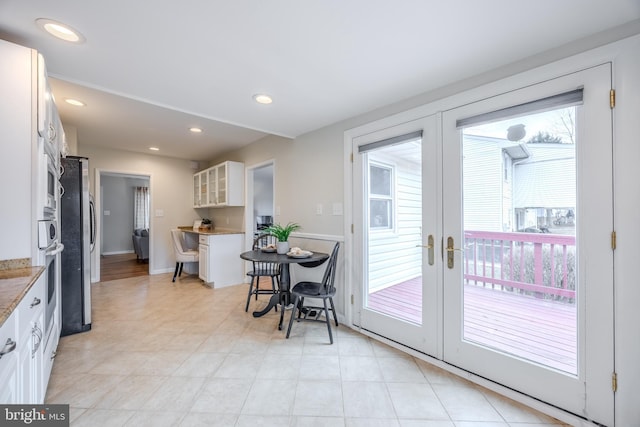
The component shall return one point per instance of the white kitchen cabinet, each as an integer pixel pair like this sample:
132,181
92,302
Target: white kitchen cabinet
9,361
230,184
28,121
49,352
200,193
219,259
18,133
204,271
23,379
220,185
30,321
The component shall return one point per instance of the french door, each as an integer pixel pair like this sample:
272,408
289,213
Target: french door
397,174
508,271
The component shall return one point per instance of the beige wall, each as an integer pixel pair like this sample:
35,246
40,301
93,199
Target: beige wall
171,182
308,171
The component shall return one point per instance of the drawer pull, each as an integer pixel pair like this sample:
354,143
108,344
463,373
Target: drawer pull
36,301
8,347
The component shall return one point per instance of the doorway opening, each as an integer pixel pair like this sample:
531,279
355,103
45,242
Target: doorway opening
260,203
123,202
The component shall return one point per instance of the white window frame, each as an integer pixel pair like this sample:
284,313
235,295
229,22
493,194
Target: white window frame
391,198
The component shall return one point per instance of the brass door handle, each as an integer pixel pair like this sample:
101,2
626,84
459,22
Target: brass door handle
429,246
450,251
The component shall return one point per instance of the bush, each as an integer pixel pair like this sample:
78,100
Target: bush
527,275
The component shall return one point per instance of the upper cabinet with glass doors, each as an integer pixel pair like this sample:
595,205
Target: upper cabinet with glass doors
220,185
200,185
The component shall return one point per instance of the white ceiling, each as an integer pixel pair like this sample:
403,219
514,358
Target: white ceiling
150,70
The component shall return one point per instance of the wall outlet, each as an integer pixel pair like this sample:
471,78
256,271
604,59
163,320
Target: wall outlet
107,213
319,209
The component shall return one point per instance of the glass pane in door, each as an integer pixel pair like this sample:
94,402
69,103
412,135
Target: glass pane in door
393,208
520,272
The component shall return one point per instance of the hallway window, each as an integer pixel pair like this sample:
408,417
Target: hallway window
141,208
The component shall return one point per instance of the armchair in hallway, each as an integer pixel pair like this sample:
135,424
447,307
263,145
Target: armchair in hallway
141,244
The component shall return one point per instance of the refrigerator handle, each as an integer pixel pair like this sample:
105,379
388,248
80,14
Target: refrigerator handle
92,223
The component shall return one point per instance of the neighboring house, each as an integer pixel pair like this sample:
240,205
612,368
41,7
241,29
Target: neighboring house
510,186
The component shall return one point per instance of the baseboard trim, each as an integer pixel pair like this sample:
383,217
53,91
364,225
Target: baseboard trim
118,252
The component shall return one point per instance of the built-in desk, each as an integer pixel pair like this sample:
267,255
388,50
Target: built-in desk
219,264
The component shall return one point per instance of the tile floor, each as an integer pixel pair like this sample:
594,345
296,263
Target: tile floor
183,354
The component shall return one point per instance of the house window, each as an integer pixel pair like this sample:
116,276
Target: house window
380,197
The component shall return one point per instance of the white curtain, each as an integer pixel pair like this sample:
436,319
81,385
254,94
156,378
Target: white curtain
141,208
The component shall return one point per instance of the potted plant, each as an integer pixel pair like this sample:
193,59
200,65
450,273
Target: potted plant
206,224
282,233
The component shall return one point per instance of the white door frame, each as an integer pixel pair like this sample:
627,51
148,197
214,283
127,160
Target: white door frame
249,193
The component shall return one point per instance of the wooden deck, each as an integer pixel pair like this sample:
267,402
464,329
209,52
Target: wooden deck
541,331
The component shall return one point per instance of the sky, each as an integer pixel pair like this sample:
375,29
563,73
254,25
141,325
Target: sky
549,121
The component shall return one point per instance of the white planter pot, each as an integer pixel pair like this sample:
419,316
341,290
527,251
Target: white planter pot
282,247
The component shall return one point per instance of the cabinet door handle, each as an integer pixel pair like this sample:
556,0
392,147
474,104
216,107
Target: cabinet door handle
36,335
9,346
36,301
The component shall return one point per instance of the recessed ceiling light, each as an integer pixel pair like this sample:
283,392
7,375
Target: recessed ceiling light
262,98
60,30
195,130
74,102
154,149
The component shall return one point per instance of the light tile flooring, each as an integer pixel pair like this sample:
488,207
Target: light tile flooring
183,354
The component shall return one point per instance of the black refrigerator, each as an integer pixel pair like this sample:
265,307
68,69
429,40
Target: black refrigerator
77,232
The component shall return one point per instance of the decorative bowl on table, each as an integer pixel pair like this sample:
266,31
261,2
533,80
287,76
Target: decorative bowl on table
269,248
299,253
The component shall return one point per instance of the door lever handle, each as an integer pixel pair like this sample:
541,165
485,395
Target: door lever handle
430,247
450,251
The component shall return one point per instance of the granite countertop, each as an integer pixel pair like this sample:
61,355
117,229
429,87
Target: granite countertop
212,231
14,285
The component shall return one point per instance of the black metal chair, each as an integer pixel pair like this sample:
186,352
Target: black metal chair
263,269
324,290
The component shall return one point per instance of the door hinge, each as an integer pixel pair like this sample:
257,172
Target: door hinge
612,98
352,228
352,157
614,382
613,240
351,299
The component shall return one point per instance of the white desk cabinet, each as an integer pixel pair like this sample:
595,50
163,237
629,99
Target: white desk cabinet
220,263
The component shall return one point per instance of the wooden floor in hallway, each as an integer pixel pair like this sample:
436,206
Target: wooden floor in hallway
122,266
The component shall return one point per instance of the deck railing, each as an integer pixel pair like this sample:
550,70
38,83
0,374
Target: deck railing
538,264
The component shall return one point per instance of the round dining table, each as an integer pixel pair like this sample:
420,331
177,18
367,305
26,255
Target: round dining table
284,297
